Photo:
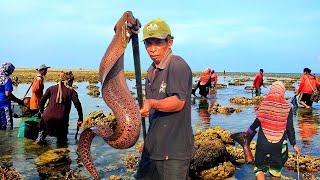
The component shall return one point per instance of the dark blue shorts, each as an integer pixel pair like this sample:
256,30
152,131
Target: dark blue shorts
5,118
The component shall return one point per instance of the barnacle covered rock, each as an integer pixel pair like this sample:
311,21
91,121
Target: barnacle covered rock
210,149
114,177
251,88
9,173
289,87
130,161
54,162
242,80
211,134
246,101
222,171
308,176
271,80
307,163
217,108
98,118
236,84
220,86
52,156
93,90
242,100
139,146
289,81
207,155
236,152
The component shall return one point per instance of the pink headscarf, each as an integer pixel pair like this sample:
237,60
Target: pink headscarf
273,112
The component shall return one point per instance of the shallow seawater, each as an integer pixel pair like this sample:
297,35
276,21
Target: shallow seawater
21,153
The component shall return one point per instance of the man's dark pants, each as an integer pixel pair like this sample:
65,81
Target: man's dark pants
258,91
163,169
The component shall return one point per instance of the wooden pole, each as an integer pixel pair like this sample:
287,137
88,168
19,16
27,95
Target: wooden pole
137,69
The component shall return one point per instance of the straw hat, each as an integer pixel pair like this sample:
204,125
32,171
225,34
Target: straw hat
42,66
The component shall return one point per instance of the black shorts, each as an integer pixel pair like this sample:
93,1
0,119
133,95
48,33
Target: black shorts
306,98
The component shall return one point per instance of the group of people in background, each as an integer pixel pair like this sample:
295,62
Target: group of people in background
168,147
274,119
54,118
308,90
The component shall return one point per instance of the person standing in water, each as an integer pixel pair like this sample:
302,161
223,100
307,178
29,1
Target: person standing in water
258,82
37,88
308,83
275,119
168,146
204,83
6,96
55,117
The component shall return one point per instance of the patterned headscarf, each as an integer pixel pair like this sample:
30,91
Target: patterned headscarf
273,112
6,70
65,78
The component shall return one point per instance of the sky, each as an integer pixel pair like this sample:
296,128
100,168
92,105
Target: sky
231,35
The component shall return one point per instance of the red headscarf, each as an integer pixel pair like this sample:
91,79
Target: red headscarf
205,77
273,112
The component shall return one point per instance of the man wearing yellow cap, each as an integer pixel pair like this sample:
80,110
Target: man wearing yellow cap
168,145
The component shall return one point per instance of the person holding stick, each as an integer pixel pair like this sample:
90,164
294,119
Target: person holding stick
168,145
275,119
37,88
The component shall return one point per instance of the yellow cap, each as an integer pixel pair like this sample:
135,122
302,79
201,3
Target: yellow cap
157,28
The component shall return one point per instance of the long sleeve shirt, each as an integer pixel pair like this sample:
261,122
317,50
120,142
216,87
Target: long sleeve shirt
37,92
258,80
308,84
60,111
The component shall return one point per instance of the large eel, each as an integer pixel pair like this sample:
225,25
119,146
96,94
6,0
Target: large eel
117,96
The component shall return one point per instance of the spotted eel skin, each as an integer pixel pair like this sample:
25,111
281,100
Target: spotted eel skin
117,96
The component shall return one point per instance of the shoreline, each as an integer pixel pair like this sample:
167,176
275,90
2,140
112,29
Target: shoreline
26,75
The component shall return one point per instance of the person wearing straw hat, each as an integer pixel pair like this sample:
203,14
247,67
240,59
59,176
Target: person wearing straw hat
275,119
168,145
37,88
6,96
55,117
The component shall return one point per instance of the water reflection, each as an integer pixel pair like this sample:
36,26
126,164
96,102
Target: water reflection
7,149
204,114
308,122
